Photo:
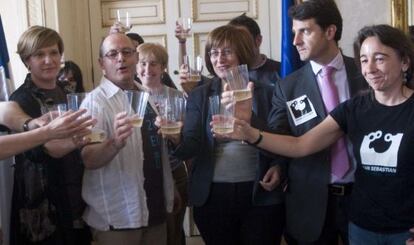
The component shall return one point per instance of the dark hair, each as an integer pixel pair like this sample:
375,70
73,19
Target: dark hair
325,13
76,72
249,23
391,37
135,37
238,39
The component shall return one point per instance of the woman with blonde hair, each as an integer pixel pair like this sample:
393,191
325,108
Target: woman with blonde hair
152,63
47,203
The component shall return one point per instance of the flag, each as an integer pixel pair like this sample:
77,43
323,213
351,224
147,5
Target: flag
6,171
290,57
6,85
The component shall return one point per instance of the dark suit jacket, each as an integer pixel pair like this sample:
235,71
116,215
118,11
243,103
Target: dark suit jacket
308,177
198,142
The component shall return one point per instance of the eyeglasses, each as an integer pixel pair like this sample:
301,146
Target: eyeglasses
126,52
214,53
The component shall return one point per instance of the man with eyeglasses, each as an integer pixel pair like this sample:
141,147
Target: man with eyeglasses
127,183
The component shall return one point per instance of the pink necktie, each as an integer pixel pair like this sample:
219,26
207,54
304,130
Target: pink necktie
339,154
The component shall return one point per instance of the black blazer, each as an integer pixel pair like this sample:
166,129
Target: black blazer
308,177
198,142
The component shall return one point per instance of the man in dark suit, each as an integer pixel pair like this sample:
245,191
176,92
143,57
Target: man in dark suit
316,200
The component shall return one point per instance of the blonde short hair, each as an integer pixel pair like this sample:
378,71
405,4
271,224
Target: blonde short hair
155,50
37,37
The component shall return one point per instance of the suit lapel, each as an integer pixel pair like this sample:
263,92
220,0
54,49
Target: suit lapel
311,88
355,79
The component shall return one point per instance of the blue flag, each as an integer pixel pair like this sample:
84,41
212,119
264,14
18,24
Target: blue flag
6,86
290,57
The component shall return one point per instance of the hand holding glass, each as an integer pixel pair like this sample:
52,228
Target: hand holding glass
85,100
172,115
136,104
185,23
194,67
223,115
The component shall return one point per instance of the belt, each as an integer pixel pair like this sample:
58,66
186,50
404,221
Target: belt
340,189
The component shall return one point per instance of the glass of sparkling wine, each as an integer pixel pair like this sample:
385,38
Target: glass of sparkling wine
78,101
238,77
173,115
195,67
224,115
124,20
186,24
136,103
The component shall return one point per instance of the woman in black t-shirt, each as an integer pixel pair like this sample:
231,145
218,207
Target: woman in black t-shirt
379,125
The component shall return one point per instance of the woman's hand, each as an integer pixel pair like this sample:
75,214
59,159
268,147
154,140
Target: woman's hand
242,109
271,179
70,124
174,138
241,130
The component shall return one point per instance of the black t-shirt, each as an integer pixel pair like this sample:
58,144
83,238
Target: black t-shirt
266,73
383,138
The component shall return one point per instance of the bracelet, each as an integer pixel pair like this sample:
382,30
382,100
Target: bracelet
258,140
26,124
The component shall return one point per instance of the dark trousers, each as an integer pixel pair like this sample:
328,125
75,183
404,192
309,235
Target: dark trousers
336,223
229,218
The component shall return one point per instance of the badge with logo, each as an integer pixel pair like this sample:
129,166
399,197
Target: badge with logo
301,109
379,151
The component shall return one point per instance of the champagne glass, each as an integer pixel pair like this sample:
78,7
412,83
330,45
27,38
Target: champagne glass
124,21
224,121
77,101
238,78
173,115
195,67
186,24
136,104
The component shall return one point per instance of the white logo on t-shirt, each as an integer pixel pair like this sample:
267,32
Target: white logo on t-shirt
387,158
301,109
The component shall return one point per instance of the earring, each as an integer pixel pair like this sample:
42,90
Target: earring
405,75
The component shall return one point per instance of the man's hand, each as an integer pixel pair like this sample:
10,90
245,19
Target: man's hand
271,179
180,33
123,129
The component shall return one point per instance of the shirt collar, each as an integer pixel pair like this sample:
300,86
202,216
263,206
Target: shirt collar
263,61
337,62
109,87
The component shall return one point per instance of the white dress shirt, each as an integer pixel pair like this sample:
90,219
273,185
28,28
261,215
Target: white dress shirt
114,193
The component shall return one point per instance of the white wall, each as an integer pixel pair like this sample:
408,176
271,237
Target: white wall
359,13
72,15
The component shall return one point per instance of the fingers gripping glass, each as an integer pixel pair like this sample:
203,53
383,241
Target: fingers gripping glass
113,54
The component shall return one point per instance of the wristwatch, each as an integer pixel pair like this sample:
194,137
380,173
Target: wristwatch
26,124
